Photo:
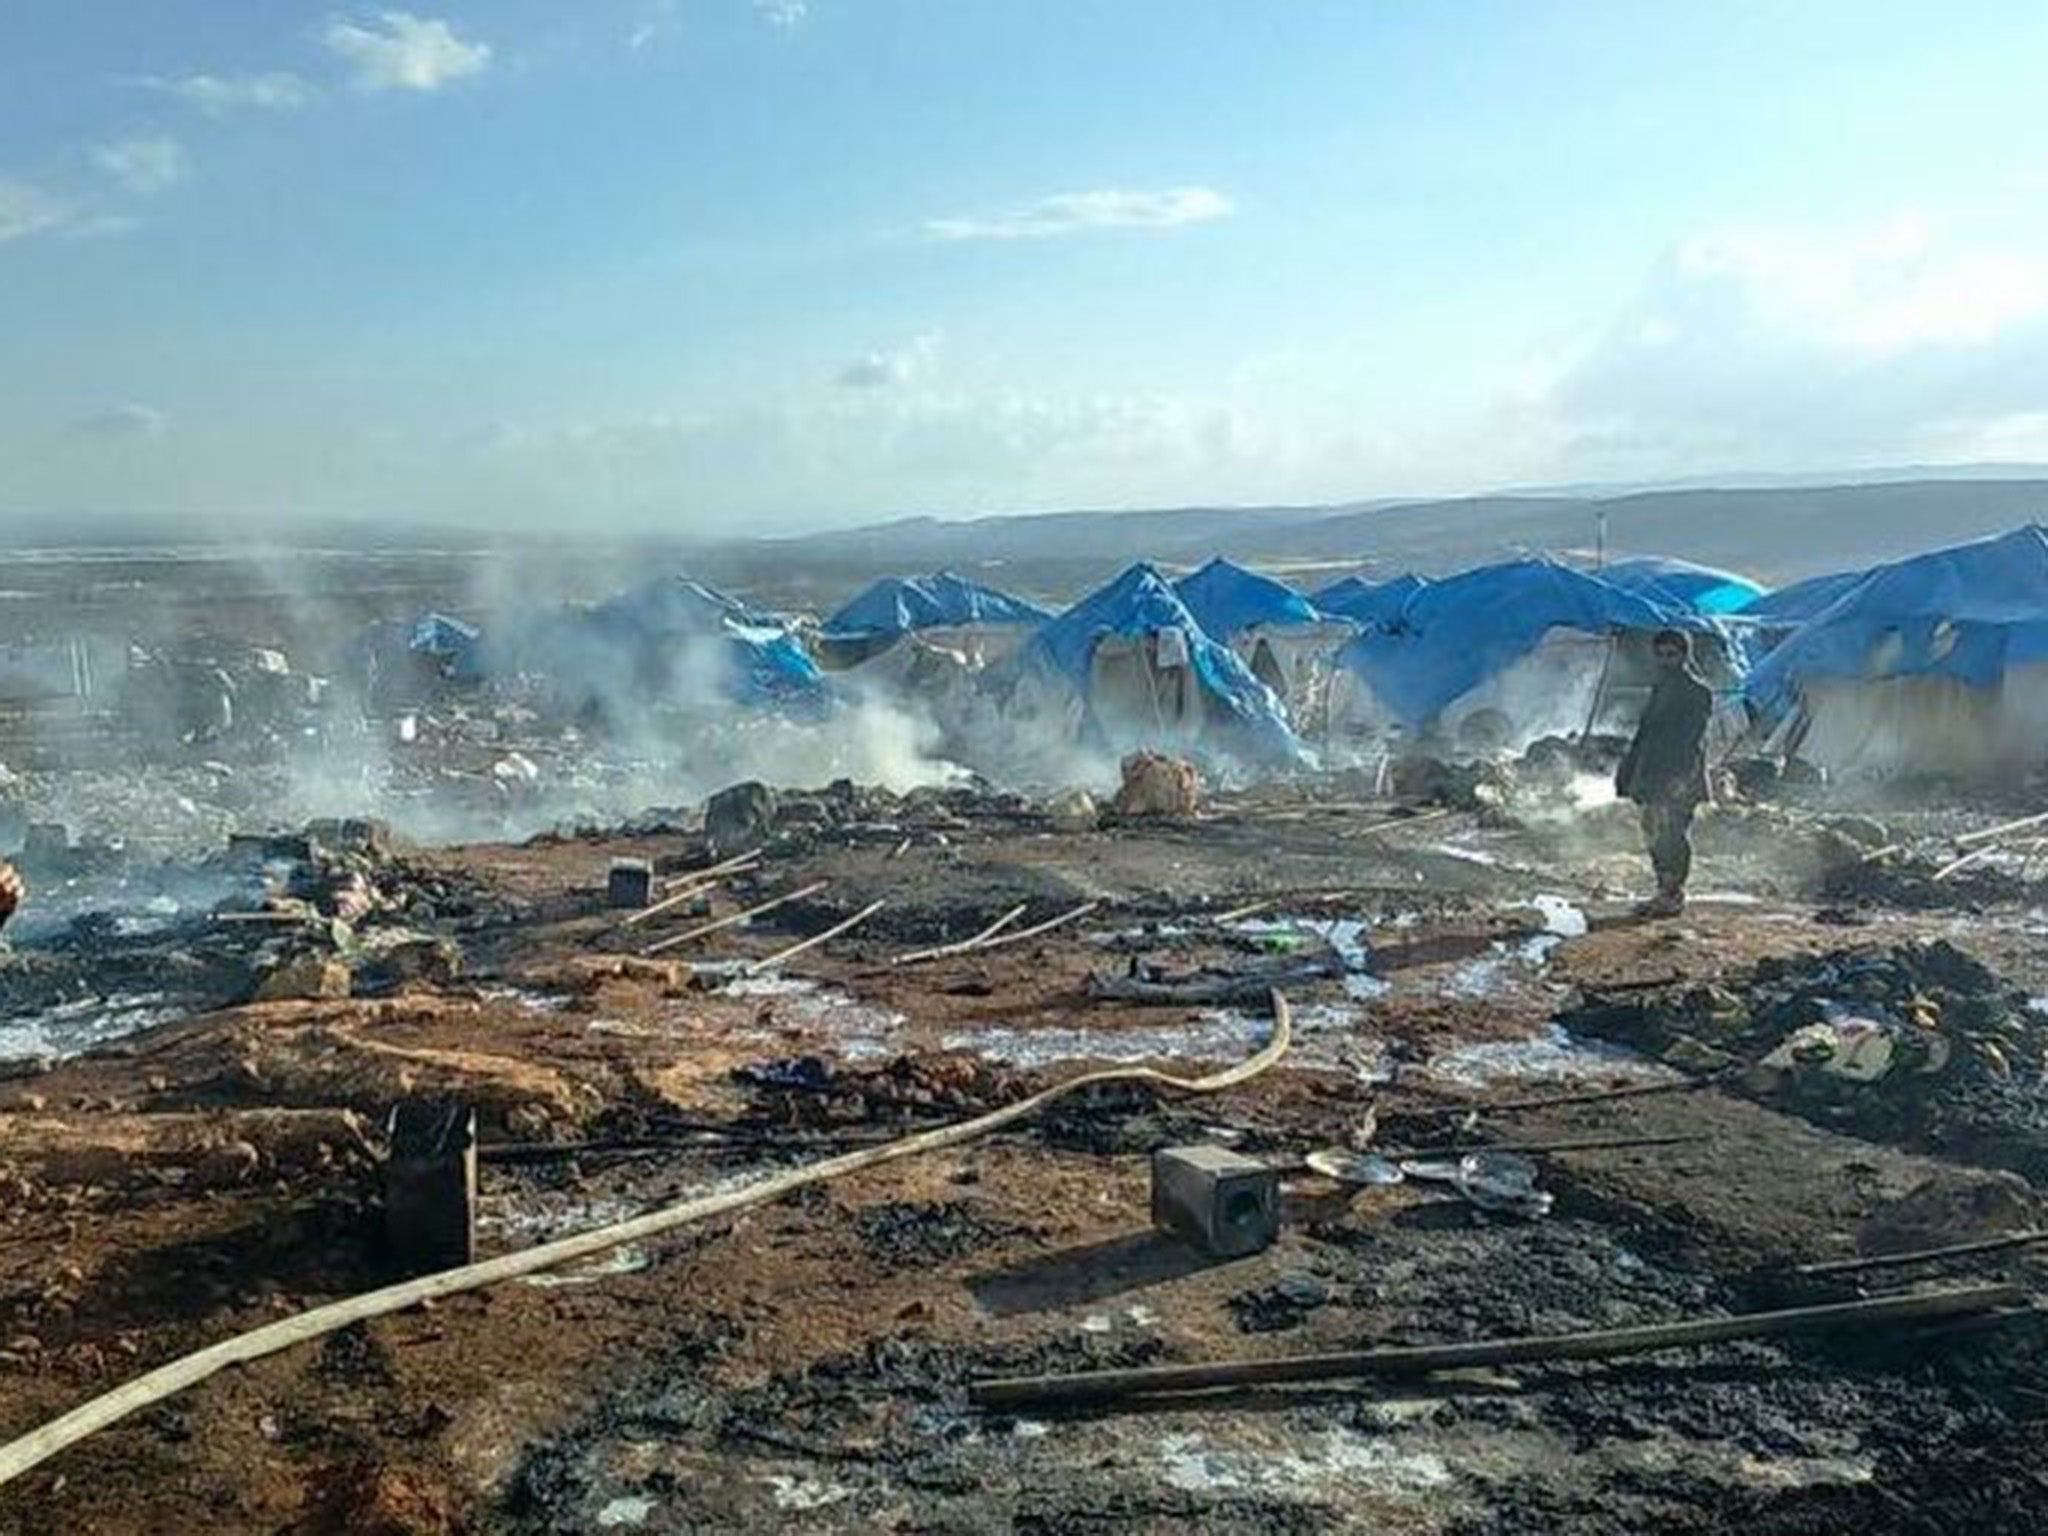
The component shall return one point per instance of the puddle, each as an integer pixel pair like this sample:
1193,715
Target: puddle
857,1031
1552,1054
1325,1035
83,1024
1724,899
1332,1461
1343,934
1506,964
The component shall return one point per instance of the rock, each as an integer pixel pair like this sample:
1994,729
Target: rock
739,817
1957,1205
1157,785
310,977
1073,810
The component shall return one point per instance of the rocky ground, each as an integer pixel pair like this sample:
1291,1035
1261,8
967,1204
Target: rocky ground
211,1161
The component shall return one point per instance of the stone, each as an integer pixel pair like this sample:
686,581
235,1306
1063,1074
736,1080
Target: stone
1073,810
1157,785
739,817
309,977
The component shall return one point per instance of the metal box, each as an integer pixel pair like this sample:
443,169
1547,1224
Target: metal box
1223,1202
630,883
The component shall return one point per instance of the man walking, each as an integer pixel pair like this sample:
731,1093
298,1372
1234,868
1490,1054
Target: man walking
1665,769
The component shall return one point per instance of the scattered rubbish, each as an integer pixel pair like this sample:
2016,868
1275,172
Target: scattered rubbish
1364,1169
1503,1182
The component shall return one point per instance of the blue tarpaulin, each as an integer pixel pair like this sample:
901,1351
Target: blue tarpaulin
1456,633
1367,602
660,621
454,644
1227,601
1802,600
900,605
1681,583
1968,612
1142,602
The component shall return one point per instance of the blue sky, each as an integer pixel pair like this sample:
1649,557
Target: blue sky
771,264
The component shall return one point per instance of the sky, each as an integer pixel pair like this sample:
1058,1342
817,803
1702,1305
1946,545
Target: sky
718,266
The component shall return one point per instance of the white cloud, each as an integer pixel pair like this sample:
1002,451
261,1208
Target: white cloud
217,95
144,165
27,210
888,370
1876,290
129,422
1069,213
1765,349
781,13
401,51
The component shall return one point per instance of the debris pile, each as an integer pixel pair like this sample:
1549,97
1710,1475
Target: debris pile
812,1093
1916,1043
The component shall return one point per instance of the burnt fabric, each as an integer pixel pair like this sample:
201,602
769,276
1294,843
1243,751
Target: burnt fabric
1667,761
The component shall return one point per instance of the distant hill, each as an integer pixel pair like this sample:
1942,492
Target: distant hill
1777,533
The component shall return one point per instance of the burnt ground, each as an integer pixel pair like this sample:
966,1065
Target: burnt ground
804,1365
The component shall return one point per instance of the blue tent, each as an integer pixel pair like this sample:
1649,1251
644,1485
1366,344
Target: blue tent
900,605
455,645
1227,600
1456,633
1802,600
1680,583
633,640
1142,602
1968,612
1366,602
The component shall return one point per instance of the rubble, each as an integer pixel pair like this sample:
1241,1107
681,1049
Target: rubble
739,817
1157,785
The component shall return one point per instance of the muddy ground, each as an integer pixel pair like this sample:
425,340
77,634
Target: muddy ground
804,1365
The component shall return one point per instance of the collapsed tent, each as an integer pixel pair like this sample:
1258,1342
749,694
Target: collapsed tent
1789,607
900,605
1680,583
961,615
1501,655
1937,663
1279,634
455,647
673,641
1129,666
1367,603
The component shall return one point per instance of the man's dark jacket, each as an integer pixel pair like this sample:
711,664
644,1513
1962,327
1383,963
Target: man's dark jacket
1667,762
